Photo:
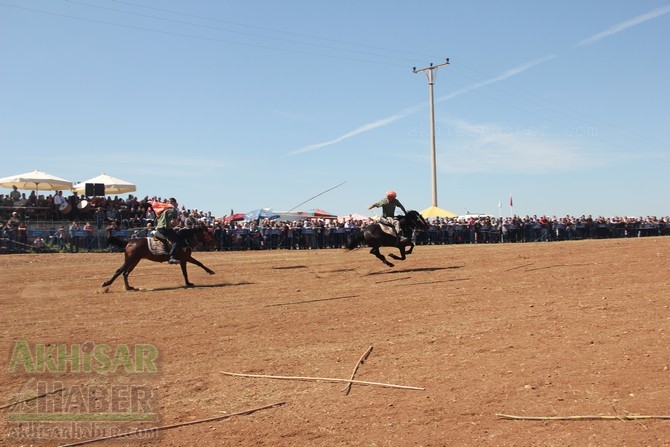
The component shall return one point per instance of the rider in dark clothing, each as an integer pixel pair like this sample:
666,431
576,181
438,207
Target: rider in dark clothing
165,225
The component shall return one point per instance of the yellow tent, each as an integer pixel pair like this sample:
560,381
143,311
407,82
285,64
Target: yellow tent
435,211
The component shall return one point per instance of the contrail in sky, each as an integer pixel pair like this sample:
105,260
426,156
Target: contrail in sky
506,74
364,128
625,25
411,110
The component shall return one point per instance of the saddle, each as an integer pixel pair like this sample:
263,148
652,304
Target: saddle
387,227
158,245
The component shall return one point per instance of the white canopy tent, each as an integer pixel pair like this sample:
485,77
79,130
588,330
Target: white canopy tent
113,185
36,180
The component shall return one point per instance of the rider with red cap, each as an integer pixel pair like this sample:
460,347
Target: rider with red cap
388,205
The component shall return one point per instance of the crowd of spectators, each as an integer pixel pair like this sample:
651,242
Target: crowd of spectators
70,222
330,233
128,213
74,223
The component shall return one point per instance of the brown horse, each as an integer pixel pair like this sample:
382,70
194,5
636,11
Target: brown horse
375,237
138,249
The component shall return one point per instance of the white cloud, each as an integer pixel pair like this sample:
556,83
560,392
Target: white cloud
493,147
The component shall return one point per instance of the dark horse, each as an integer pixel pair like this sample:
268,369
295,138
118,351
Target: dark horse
138,249
375,237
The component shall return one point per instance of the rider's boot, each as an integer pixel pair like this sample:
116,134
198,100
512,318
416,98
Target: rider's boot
172,259
402,240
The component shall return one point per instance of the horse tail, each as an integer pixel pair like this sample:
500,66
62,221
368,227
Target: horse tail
355,240
115,241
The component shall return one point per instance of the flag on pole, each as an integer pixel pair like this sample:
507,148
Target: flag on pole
511,202
499,204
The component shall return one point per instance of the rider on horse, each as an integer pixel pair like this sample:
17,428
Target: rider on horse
165,225
388,206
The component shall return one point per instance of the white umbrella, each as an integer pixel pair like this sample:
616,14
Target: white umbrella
37,180
112,185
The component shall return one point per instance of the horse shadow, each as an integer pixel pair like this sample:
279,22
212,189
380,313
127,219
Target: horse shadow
202,286
414,270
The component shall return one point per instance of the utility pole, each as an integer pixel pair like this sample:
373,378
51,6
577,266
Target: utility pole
430,73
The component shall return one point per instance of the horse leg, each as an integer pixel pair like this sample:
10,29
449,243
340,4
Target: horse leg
182,263
119,271
131,265
192,260
196,262
403,252
375,251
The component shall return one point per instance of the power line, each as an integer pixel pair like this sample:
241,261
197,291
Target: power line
274,30
216,28
380,57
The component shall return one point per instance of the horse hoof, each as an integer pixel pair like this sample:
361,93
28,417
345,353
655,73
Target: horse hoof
190,285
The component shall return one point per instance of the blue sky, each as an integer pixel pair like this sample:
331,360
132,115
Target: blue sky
241,105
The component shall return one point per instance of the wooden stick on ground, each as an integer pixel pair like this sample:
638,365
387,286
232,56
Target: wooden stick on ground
322,379
311,301
347,388
628,417
31,398
167,427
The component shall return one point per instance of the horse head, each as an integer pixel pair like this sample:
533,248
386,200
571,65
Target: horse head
202,234
195,234
414,220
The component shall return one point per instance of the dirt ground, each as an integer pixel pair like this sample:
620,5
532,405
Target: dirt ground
562,329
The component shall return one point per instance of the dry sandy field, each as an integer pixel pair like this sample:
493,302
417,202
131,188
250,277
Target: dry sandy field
535,344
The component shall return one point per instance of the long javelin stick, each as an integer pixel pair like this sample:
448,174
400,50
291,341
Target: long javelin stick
319,194
313,197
